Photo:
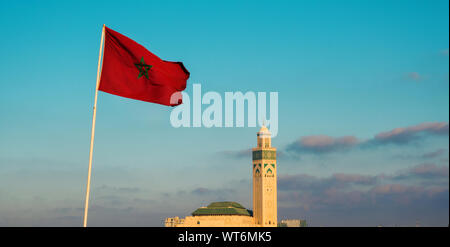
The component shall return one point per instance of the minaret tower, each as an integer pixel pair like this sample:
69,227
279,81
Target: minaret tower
264,180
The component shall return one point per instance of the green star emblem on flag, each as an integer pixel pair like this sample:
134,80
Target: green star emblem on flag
143,68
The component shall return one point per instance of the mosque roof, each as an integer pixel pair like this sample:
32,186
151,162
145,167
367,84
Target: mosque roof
223,208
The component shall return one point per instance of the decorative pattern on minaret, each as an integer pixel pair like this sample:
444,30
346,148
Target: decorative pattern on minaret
264,180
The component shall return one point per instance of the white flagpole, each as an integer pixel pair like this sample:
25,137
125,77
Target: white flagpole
88,186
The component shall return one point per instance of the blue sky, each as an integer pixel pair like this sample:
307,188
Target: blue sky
342,69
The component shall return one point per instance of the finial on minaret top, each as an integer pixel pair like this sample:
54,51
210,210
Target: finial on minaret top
264,129
263,132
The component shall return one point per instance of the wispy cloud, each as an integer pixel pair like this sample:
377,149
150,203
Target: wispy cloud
434,154
245,153
322,143
423,171
201,191
118,189
398,136
415,76
405,135
312,183
439,153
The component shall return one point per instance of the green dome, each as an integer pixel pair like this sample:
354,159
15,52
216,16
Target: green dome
223,208
225,205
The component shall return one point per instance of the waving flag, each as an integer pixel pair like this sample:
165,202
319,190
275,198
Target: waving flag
129,70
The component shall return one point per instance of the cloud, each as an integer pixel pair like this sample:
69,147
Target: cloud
364,200
354,179
245,153
338,180
66,210
424,156
434,154
405,135
430,170
319,144
322,144
423,171
208,194
118,189
200,191
415,76
343,181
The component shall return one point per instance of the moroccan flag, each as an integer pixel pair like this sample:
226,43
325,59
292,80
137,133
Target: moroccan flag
129,70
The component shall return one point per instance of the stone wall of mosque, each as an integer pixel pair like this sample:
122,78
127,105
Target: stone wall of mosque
212,221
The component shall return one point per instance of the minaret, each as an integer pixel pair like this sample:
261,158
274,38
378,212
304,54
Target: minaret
264,180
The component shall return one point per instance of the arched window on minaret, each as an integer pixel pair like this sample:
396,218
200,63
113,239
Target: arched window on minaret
264,186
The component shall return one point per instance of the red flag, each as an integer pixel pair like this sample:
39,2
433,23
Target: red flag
129,70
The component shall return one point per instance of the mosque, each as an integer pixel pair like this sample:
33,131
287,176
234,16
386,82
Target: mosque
233,214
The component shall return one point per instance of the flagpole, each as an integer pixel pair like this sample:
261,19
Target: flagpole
88,186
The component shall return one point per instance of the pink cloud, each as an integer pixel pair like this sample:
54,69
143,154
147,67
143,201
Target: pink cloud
405,134
414,76
354,178
430,169
323,143
391,189
327,141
